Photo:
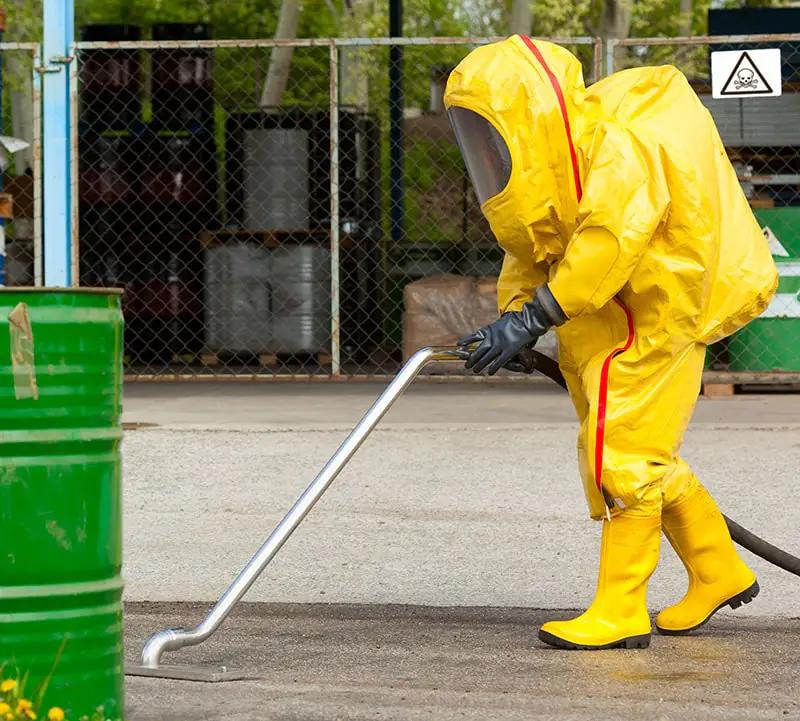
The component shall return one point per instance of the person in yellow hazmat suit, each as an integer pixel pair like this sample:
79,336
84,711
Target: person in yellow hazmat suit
623,226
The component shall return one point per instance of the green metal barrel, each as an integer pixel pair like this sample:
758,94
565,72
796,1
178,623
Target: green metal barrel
60,497
771,343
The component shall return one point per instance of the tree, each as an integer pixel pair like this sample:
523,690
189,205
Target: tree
616,19
281,57
521,18
616,24
685,18
352,21
24,24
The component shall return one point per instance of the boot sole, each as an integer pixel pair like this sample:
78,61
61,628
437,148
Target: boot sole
642,641
734,602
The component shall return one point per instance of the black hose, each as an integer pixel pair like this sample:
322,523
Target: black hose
776,556
746,539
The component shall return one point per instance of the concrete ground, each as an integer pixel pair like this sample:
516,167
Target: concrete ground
459,517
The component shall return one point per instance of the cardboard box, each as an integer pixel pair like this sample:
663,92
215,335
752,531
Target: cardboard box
440,309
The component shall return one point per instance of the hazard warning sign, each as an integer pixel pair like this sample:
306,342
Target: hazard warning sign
775,245
745,73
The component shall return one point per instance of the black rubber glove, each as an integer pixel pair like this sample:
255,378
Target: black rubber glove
523,362
500,342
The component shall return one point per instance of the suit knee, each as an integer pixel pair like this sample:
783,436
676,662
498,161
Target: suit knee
634,486
678,483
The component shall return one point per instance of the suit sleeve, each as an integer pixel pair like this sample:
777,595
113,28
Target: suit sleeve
518,280
625,199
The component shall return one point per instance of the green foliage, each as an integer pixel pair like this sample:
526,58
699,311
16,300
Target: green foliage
434,174
556,18
23,21
238,18
239,73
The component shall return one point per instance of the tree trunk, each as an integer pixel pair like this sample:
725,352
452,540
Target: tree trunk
616,19
685,22
354,64
686,57
616,25
24,25
521,19
280,60
18,83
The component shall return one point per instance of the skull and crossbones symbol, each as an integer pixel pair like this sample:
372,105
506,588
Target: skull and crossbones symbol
746,78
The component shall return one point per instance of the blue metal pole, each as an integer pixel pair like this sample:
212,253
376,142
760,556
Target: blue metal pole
59,28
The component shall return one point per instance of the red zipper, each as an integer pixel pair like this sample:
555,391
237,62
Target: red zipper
603,397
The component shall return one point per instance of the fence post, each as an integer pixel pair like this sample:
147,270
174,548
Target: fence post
397,183
335,265
611,46
36,99
73,167
597,60
58,22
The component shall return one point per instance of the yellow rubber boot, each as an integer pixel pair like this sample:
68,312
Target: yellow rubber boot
717,576
618,615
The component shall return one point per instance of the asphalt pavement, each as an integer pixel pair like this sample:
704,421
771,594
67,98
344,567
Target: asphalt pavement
414,588
324,662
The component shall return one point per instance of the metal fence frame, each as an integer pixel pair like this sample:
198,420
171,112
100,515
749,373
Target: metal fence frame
602,60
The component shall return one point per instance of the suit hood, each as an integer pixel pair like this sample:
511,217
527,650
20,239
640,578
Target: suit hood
532,93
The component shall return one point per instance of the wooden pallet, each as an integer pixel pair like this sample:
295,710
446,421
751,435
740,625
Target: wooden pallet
718,390
726,390
272,238
265,360
177,359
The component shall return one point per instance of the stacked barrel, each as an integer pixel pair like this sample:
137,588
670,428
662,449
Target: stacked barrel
148,184
152,223
274,256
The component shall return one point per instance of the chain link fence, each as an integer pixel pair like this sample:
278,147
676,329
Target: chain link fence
762,139
309,224
194,197
320,223
20,167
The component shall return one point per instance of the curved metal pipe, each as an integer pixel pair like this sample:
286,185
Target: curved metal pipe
172,639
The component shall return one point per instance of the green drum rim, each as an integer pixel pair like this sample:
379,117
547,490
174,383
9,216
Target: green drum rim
8,290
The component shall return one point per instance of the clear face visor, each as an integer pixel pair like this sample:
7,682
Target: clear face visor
485,153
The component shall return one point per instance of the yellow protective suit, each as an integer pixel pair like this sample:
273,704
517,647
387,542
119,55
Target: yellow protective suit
622,199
